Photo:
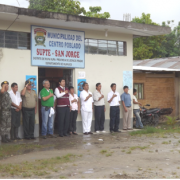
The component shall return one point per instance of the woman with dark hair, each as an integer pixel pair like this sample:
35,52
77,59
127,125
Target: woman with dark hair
99,109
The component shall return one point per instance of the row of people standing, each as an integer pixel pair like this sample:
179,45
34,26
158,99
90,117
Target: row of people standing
68,107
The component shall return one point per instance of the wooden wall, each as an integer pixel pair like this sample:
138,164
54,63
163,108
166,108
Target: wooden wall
159,90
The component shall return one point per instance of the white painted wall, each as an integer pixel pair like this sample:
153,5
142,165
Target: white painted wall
15,64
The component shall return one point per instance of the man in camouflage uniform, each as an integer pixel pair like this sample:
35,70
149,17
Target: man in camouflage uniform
5,112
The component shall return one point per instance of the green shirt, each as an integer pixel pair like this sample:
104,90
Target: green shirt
50,102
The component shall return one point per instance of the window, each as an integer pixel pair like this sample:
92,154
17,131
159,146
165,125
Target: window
140,90
114,48
16,40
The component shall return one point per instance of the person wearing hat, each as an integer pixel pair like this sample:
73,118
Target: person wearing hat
29,109
5,112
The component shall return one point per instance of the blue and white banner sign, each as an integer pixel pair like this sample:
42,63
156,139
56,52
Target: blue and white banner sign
57,47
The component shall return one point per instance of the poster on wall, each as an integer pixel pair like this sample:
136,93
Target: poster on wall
80,85
127,79
53,47
33,80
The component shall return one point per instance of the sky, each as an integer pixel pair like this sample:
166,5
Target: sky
160,10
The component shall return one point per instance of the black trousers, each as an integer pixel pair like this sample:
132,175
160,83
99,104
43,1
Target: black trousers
63,114
99,118
28,122
15,118
72,122
114,118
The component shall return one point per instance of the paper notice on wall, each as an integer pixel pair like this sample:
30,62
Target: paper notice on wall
81,75
128,79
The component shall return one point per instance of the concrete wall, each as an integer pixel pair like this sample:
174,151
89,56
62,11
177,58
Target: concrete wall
159,90
15,64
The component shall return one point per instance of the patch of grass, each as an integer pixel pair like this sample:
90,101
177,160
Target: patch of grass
38,168
165,142
123,150
103,151
108,154
148,130
128,152
62,177
10,149
138,147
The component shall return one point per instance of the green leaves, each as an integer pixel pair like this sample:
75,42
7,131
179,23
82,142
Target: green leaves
156,46
67,7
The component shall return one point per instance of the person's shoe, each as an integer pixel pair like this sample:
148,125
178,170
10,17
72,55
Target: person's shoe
130,129
111,132
65,134
70,133
61,136
125,129
90,133
6,137
97,131
85,133
16,134
44,137
27,138
117,131
103,131
3,139
52,136
75,133
33,138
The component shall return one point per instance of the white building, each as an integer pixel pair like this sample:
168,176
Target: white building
108,50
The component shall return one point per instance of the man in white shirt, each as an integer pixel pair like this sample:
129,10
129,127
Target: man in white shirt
86,108
136,110
16,107
114,101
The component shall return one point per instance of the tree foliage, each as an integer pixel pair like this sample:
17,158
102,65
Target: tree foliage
94,12
156,46
68,7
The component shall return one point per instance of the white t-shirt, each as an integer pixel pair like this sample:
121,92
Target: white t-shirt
135,106
16,98
74,105
86,105
115,101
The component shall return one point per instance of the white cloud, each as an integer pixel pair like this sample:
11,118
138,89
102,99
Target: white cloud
160,10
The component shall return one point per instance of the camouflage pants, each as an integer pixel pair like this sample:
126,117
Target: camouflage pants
5,122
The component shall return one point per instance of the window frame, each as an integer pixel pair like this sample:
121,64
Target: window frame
108,43
142,85
16,45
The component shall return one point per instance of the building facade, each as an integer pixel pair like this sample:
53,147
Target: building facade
108,51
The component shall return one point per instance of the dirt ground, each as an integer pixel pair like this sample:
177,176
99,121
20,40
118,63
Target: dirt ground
117,156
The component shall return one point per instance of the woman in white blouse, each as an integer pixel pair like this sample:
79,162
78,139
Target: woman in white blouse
75,109
99,109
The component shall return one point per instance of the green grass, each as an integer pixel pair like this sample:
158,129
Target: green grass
154,130
108,154
138,147
11,149
37,168
103,151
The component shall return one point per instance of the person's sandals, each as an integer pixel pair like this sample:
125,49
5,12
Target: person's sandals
44,137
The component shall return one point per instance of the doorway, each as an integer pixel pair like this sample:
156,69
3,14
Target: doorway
53,75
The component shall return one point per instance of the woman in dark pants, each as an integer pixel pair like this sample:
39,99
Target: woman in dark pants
99,109
75,109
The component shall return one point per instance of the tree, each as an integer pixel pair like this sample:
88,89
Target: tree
62,6
68,7
147,47
94,12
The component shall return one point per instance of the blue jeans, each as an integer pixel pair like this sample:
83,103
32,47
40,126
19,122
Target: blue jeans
138,118
47,122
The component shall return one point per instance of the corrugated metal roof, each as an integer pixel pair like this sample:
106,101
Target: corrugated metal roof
171,63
